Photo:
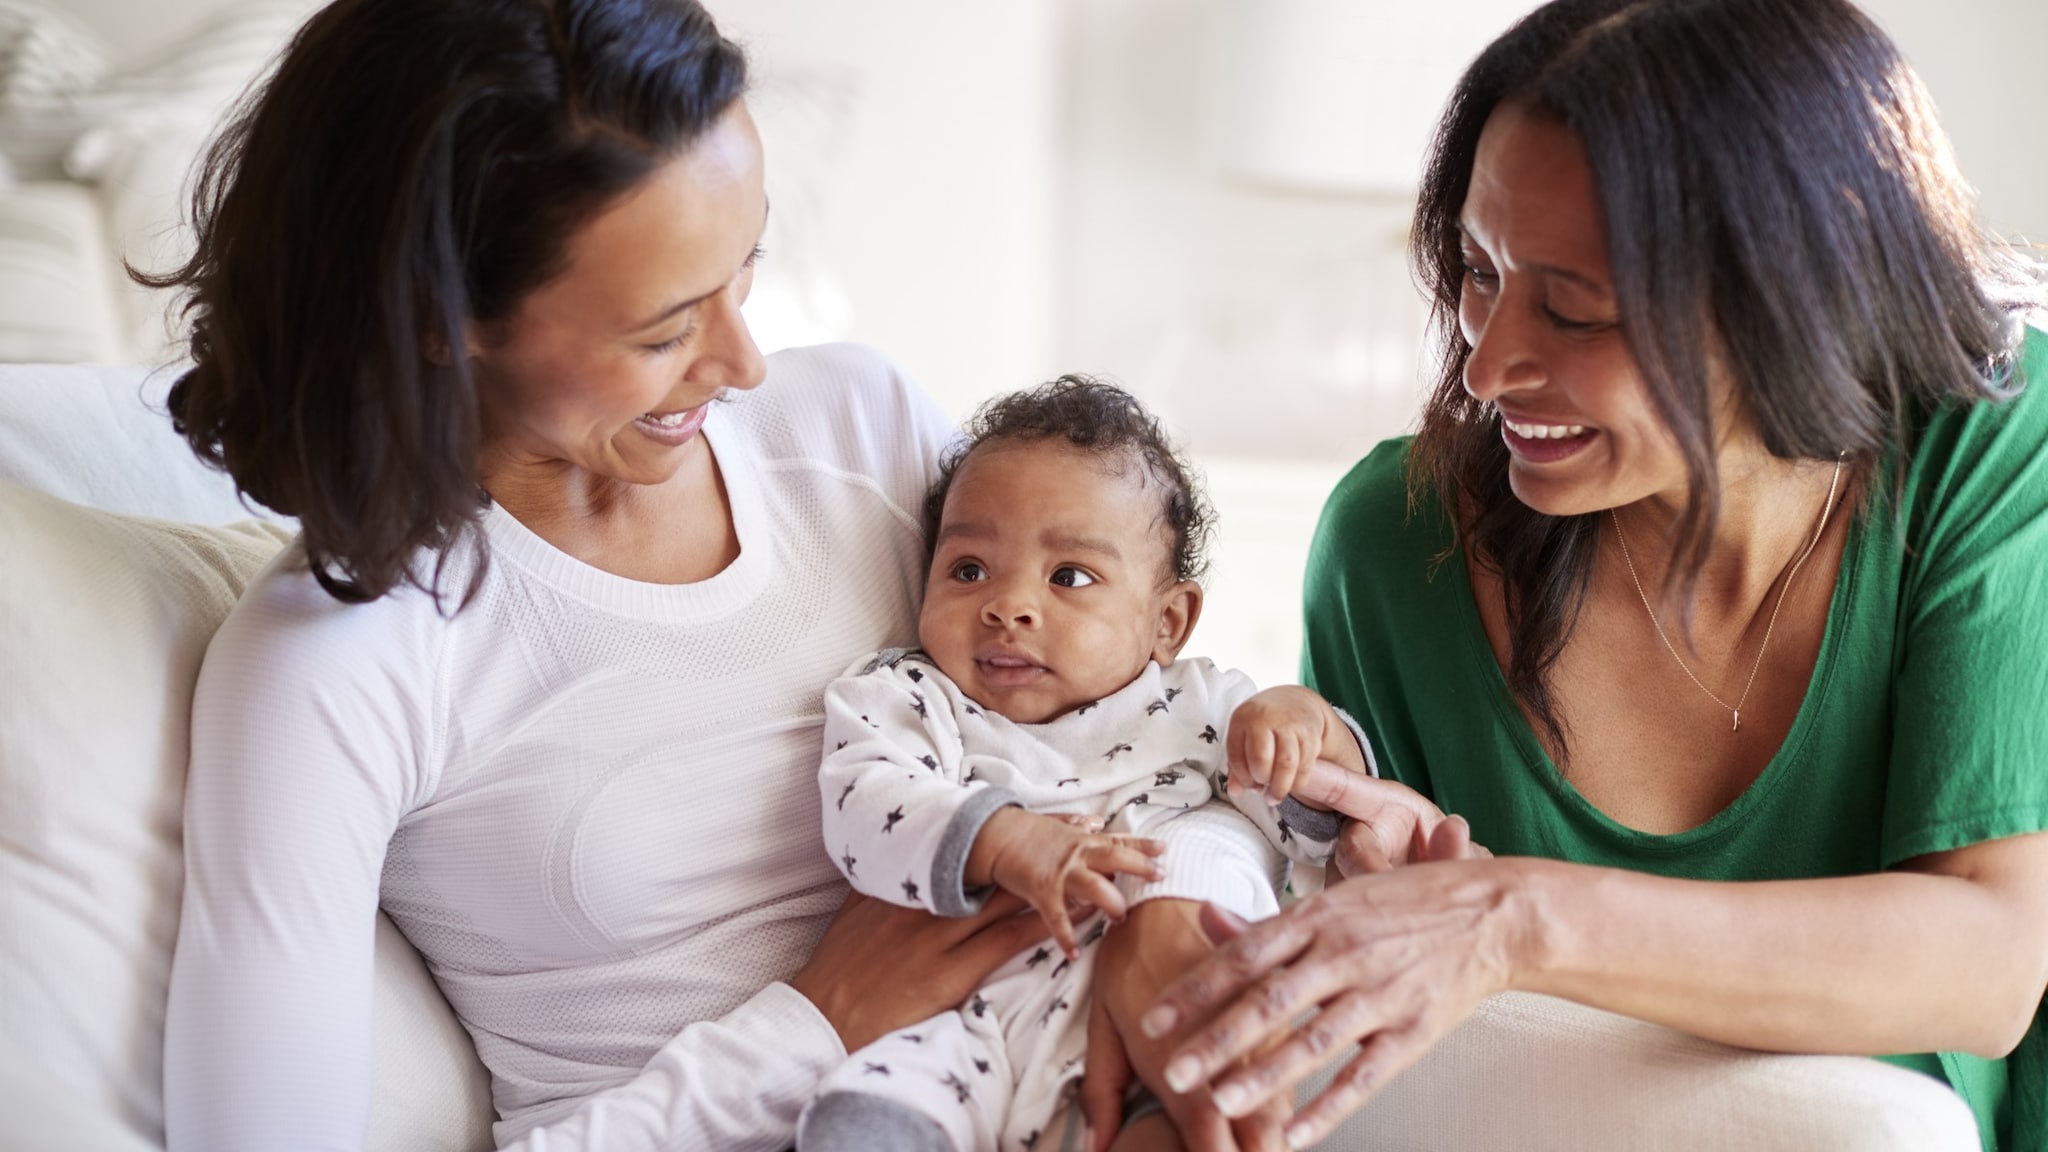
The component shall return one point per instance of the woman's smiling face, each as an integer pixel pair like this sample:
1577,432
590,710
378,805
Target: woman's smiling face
1538,310
608,367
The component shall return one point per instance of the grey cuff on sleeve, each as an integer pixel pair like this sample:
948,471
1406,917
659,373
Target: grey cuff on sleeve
1372,763
950,896
1311,823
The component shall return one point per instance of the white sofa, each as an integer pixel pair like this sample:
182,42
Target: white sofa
119,555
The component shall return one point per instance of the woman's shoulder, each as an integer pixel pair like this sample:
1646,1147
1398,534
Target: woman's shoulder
1374,510
287,627
846,407
1985,453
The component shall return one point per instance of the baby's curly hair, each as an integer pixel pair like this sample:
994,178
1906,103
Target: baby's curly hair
1108,422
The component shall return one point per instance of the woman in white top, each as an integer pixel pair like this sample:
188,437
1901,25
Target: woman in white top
541,677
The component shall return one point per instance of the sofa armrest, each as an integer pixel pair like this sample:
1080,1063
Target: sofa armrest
1528,1071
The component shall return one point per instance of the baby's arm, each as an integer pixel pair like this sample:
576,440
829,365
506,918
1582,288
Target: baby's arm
898,818
1058,863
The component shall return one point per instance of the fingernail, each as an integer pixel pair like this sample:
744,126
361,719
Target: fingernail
1158,1022
1183,1074
1298,1137
1231,1099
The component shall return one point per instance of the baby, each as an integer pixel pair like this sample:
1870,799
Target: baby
1046,741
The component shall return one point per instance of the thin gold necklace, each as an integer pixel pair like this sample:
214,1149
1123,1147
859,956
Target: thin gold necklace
1734,709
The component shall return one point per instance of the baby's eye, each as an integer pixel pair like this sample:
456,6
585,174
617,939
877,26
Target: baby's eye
967,572
1068,576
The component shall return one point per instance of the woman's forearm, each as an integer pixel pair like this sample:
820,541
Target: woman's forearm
1904,961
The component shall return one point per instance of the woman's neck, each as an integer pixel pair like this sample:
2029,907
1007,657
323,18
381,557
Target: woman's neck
679,531
1771,512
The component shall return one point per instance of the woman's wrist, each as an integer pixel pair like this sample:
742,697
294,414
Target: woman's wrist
1532,902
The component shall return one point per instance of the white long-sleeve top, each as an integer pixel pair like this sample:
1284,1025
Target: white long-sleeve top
913,768
590,803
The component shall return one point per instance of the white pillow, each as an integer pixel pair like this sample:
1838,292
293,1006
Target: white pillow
103,620
101,436
57,300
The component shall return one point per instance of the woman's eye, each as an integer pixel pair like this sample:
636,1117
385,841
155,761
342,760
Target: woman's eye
1481,277
672,343
967,572
1068,576
1565,323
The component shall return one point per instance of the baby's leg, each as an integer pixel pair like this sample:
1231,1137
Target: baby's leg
929,1088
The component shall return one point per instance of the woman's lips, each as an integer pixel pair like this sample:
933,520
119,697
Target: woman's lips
673,429
1540,443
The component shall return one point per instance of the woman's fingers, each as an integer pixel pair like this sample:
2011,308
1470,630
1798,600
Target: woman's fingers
1221,925
1379,1058
1265,1008
1310,1047
1362,848
1219,979
1104,1078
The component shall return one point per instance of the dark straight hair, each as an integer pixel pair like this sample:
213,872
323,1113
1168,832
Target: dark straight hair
1779,200
412,167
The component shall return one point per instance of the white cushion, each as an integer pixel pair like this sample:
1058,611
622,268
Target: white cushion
101,436
1529,1071
57,300
103,619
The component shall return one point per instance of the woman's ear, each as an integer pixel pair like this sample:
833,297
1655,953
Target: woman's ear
435,348
1177,616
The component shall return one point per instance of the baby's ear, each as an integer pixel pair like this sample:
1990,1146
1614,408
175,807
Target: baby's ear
1178,612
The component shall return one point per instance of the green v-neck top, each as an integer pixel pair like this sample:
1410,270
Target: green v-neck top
1923,729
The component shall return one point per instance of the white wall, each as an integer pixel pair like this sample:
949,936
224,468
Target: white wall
1981,61
936,203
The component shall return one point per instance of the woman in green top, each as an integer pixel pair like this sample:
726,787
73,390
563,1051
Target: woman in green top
1713,591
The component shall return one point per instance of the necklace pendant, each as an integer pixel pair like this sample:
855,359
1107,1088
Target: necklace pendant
1738,722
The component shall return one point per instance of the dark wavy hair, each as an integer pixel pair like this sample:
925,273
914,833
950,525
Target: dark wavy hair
1107,421
412,167
1779,199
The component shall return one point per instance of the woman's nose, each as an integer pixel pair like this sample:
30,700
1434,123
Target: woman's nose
728,357
1505,355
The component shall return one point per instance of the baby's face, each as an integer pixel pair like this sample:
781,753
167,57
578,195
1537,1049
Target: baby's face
1049,585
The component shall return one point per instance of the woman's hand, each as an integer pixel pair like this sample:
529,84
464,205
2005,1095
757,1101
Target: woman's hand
1388,825
881,967
1160,940
1392,961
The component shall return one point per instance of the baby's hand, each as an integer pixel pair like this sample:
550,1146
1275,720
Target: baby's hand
1277,734
1059,864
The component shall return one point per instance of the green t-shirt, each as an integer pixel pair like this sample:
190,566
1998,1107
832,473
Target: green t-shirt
1925,726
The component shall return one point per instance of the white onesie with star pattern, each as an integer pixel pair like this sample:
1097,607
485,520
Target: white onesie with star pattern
912,770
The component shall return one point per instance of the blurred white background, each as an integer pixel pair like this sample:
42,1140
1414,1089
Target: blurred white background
1204,200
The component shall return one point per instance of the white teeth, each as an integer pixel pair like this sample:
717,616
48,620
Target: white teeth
672,420
1545,431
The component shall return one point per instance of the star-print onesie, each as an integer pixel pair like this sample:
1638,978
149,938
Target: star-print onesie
913,768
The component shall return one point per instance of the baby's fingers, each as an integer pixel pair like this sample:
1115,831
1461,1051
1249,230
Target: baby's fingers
1127,856
1094,890
1054,912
